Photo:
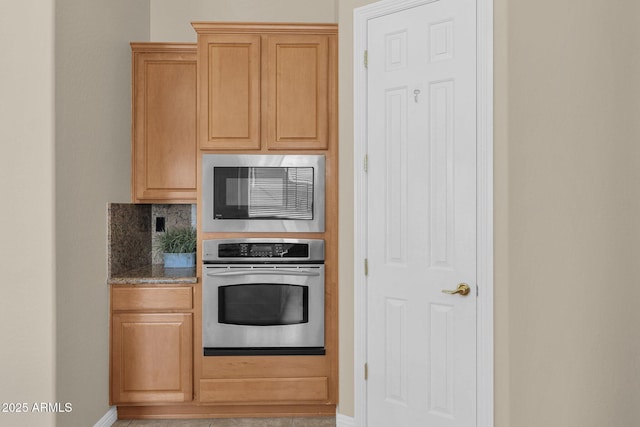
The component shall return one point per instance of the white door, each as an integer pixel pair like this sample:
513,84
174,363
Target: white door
421,216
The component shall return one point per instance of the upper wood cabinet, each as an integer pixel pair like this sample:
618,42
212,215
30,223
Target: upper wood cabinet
266,86
297,91
164,145
230,92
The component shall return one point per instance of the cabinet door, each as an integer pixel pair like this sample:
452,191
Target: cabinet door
151,357
297,90
164,124
230,91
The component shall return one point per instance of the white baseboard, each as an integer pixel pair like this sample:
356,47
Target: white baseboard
108,419
344,421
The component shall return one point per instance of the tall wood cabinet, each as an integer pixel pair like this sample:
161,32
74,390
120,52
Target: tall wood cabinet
260,88
266,86
164,149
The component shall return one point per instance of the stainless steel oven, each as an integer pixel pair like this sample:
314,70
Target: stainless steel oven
263,296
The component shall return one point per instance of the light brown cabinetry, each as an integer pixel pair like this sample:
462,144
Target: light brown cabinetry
271,89
266,86
261,89
297,91
230,92
164,146
151,344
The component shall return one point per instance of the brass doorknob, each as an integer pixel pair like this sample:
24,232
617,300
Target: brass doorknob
463,289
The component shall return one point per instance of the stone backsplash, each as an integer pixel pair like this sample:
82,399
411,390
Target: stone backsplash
131,233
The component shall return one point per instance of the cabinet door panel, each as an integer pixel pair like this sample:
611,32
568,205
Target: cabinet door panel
297,82
151,357
230,76
164,125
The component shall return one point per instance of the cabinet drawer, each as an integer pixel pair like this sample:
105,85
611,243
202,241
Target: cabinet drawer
152,298
270,390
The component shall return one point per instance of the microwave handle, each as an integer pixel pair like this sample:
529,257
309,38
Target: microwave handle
248,272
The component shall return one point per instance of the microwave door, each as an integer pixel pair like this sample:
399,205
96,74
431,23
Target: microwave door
263,193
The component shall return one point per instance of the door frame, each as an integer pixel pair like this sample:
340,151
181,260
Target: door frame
484,213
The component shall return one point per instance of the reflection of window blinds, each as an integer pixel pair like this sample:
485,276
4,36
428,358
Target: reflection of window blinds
281,193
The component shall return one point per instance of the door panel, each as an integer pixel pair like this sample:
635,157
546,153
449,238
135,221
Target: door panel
164,123
297,85
230,76
151,357
421,216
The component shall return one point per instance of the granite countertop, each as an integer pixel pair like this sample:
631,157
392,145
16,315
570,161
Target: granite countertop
155,274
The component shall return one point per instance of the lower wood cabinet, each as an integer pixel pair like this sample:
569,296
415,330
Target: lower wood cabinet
151,352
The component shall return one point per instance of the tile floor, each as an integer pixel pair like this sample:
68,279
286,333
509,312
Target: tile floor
232,422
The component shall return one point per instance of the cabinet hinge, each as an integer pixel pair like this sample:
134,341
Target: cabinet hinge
366,267
366,59
366,371
366,163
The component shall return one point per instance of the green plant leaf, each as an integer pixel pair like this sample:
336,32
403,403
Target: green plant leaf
178,241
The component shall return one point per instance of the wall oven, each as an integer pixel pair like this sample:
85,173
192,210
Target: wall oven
264,193
263,296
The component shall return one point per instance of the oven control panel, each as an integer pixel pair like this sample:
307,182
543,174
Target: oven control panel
264,250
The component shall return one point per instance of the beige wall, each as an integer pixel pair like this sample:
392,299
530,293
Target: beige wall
502,307
27,313
92,157
573,213
171,20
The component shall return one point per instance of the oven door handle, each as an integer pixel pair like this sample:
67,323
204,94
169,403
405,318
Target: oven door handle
250,272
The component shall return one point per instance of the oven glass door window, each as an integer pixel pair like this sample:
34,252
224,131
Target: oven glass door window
263,193
263,304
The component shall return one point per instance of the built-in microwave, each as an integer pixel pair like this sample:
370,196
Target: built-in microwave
263,193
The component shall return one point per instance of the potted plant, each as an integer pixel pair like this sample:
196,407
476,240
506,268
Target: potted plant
178,247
